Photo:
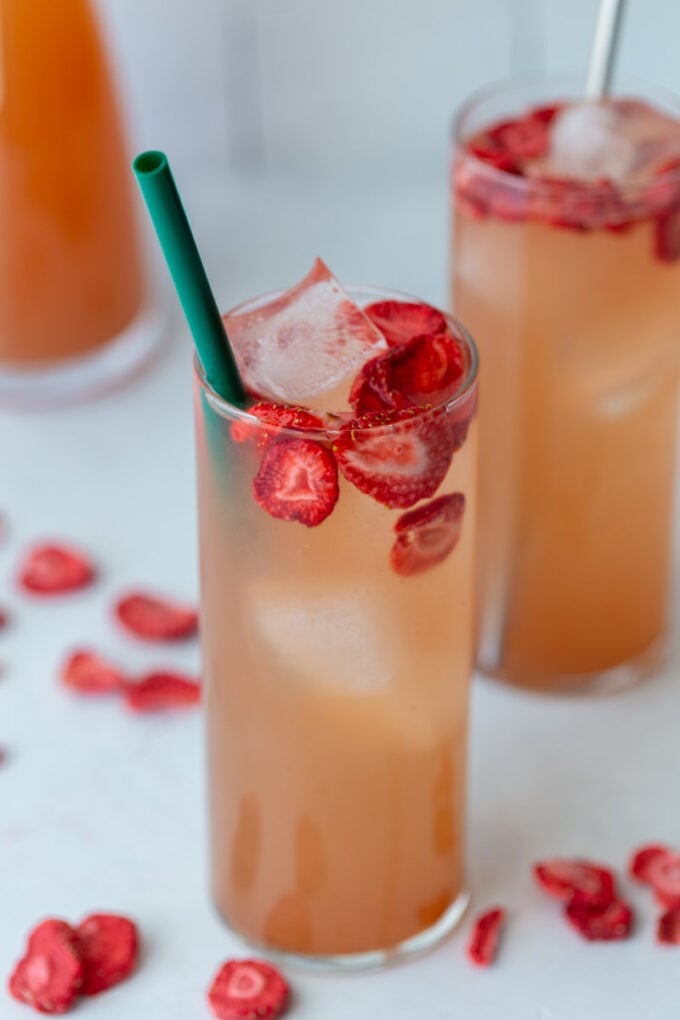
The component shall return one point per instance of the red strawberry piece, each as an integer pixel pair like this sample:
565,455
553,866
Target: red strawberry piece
489,150
668,928
575,880
602,923
374,388
89,673
50,974
663,874
427,364
546,114
427,535
52,569
279,416
526,138
156,619
399,321
4,619
108,945
248,990
668,234
642,858
157,691
297,481
397,457
483,943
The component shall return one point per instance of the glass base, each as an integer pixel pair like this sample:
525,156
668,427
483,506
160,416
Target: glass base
414,946
57,384
610,681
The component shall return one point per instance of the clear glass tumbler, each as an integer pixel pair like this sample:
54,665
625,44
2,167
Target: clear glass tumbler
337,662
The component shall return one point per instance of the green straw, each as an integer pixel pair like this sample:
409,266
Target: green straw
186,268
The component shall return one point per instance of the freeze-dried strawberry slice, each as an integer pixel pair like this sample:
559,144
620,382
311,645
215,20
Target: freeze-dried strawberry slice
397,457
525,138
642,858
668,928
52,569
89,673
157,691
600,924
427,535
108,946
248,990
663,874
297,481
427,364
50,974
483,944
575,879
668,234
279,416
155,619
399,321
374,387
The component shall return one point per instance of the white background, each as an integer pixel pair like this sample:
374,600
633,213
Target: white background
298,128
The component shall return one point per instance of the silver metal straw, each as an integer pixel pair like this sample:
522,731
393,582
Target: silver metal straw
604,48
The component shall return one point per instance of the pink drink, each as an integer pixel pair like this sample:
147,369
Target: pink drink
338,638
567,270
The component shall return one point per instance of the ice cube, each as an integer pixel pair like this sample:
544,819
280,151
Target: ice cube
301,347
334,639
622,140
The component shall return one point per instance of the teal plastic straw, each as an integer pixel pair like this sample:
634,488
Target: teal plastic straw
153,173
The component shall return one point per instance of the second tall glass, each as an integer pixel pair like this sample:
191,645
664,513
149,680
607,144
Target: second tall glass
573,294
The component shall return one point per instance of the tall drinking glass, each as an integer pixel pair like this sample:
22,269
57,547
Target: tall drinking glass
337,660
572,289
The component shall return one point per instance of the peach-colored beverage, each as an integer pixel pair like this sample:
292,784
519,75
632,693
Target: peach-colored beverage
566,267
337,530
71,281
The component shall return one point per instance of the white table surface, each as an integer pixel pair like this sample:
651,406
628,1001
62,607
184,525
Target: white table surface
101,810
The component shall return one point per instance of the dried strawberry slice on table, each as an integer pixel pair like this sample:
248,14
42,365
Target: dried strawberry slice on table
108,944
89,673
279,416
668,928
663,874
399,321
483,944
158,691
248,990
297,481
427,535
50,974
397,457
53,569
155,619
600,923
575,879
641,860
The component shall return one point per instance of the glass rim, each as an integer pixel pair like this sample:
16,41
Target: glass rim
488,91
233,413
